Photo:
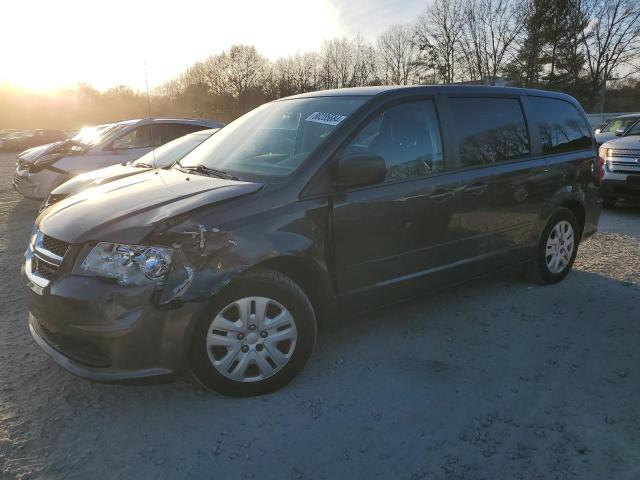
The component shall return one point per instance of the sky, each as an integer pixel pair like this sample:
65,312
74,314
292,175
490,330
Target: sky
49,45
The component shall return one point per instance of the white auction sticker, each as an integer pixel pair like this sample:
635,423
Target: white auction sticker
326,118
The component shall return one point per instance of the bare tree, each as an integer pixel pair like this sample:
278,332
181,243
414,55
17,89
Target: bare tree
491,27
438,33
611,40
398,55
337,58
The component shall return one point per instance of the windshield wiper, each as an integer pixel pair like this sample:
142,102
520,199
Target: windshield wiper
203,169
141,165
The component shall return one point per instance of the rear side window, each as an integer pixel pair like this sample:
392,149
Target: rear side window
489,130
407,136
559,124
171,131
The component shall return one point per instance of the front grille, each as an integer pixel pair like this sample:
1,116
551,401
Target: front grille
620,152
624,161
43,269
57,247
17,179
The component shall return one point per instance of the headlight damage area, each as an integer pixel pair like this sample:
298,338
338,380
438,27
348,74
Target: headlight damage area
128,264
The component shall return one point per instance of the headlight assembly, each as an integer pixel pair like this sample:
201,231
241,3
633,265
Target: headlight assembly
128,264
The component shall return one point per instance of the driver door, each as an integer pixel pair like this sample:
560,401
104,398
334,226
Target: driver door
398,237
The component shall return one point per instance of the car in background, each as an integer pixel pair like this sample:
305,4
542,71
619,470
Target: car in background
617,127
39,170
33,138
163,156
620,169
8,134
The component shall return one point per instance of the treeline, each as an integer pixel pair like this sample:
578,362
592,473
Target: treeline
587,48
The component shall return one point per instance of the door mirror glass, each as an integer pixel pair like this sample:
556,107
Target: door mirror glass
360,169
598,130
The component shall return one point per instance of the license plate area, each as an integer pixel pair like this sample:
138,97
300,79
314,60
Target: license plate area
633,180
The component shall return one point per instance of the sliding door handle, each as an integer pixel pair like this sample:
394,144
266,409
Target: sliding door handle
441,195
475,188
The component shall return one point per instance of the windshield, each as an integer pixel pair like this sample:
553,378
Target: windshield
171,152
275,139
619,124
94,135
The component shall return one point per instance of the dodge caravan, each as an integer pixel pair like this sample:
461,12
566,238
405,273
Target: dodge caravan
303,210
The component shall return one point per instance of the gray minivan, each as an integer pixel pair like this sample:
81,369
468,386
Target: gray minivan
299,212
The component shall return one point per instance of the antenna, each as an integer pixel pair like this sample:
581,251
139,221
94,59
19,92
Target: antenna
146,83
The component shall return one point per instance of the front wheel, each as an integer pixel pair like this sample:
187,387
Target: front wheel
258,335
557,248
609,202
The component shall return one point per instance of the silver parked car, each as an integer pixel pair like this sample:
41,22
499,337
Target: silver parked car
41,169
618,127
162,157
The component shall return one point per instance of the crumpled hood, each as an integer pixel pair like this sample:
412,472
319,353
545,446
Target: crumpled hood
632,142
33,154
97,177
126,210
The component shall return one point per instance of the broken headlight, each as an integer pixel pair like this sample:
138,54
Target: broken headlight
128,264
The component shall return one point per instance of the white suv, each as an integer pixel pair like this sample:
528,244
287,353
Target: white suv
41,169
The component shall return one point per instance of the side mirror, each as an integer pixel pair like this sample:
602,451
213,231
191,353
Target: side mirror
360,169
597,131
120,144
619,132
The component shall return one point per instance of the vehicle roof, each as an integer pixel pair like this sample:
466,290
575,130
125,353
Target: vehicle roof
191,121
430,89
628,115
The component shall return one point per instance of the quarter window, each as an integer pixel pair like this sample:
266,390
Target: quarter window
407,137
560,126
489,130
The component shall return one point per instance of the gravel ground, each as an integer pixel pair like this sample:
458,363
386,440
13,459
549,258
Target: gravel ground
496,379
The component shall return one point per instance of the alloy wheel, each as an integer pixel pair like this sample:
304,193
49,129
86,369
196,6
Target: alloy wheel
560,245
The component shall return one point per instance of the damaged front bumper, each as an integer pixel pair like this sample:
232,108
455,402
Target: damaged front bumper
106,332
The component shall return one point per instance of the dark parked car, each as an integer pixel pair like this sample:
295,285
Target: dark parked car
32,138
302,210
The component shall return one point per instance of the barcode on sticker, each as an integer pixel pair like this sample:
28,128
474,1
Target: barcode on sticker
326,118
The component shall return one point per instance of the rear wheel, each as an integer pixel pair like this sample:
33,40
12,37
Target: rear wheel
258,335
557,248
609,202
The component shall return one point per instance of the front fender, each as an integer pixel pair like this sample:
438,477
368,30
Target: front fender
210,252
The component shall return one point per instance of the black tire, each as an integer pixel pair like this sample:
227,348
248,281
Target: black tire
266,283
609,202
540,272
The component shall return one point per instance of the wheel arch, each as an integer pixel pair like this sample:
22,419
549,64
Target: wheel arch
314,280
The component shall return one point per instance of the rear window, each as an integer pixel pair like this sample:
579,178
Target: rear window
559,124
489,130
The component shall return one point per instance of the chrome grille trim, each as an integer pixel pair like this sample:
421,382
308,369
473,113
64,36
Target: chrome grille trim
50,248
